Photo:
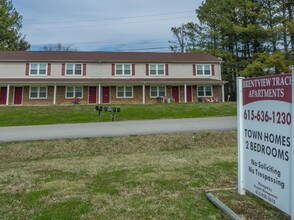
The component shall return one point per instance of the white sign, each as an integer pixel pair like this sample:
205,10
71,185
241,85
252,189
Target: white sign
265,139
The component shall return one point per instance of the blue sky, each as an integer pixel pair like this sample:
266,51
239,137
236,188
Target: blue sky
104,25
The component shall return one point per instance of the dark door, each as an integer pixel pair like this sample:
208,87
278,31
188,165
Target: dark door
3,94
189,93
175,93
17,96
105,95
92,95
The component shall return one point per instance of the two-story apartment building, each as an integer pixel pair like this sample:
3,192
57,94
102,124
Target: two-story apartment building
55,78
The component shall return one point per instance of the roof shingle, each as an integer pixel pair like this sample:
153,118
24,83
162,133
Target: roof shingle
46,56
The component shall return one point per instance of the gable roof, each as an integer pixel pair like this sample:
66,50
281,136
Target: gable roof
48,56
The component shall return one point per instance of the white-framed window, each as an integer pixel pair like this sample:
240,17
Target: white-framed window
38,69
123,69
73,69
204,91
157,69
38,92
157,91
124,92
203,70
73,91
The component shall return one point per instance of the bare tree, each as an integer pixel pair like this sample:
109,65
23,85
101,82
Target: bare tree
59,47
180,44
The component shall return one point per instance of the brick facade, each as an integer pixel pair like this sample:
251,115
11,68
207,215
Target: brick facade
29,101
62,100
217,92
137,96
180,69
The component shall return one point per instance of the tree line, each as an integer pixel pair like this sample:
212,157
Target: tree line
252,37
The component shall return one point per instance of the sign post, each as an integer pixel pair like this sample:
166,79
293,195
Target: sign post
265,139
292,154
241,189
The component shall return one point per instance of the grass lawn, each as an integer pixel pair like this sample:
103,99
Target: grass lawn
134,177
25,115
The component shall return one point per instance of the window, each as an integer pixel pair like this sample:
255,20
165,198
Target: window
157,69
123,70
204,91
38,92
43,92
38,69
124,92
203,70
34,92
157,91
78,92
73,69
71,92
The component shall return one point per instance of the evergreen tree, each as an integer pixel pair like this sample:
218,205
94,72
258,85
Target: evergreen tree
253,37
266,64
287,22
10,25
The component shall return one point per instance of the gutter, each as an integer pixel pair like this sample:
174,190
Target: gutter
189,81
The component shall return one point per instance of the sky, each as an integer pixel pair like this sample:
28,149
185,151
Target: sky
104,25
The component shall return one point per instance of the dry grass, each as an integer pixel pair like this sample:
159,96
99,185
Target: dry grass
135,177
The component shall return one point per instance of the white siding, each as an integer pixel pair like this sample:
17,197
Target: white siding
12,70
104,70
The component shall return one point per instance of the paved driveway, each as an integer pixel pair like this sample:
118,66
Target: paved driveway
108,129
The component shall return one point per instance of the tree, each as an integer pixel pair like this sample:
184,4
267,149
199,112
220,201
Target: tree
266,64
240,27
253,37
180,44
59,47
287,21
10,25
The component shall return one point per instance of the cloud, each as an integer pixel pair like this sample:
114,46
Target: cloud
104,25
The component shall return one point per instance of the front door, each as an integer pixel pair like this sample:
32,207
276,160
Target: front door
3,95
175,93
92,95
189,93
105,95
17,96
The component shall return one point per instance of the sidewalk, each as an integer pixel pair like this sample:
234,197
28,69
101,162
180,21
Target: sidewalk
109,129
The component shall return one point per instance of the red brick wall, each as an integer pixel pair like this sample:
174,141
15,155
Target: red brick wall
137,96
28,101
148,99
61,100
60,97
216,92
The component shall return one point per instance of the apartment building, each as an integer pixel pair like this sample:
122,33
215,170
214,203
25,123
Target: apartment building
55,78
